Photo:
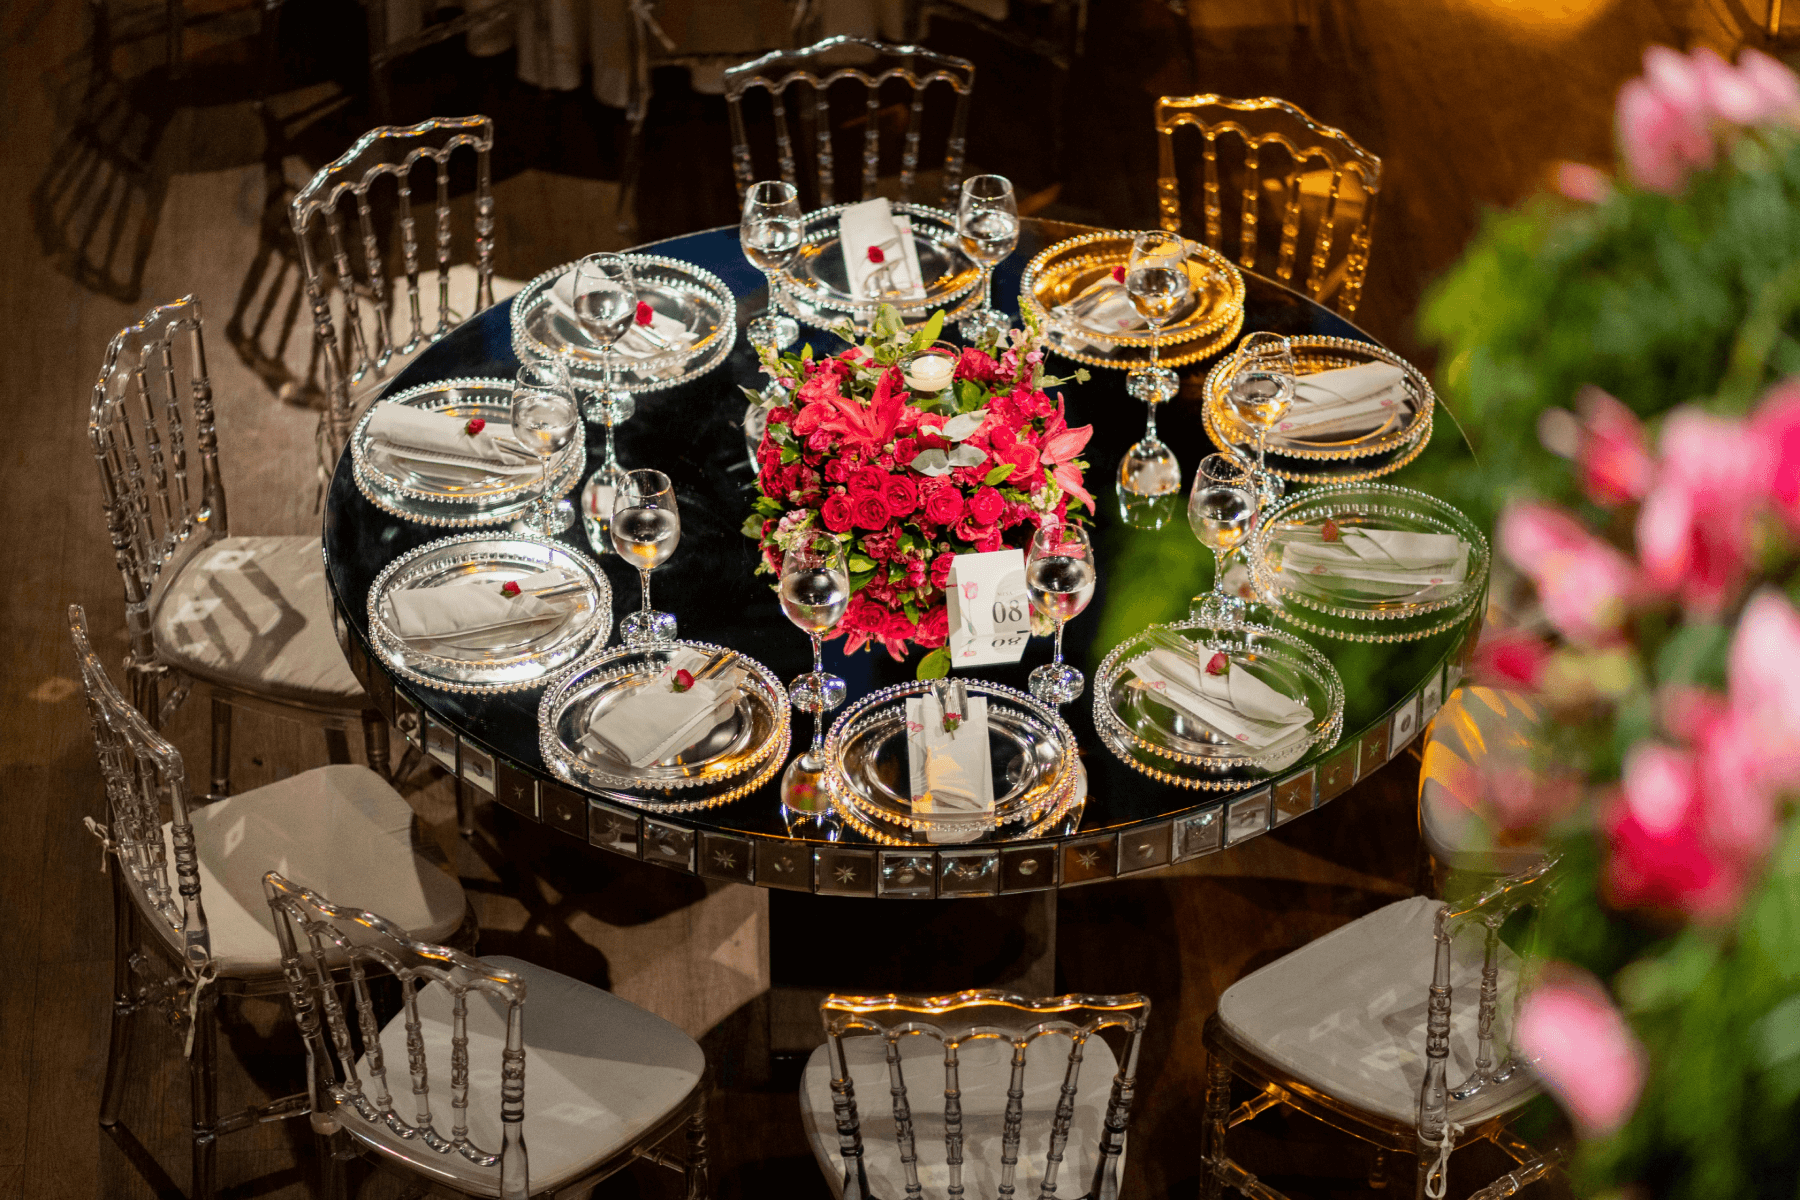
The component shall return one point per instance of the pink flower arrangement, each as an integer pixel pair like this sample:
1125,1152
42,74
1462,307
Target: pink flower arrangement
906,481
1670,121
1582,1050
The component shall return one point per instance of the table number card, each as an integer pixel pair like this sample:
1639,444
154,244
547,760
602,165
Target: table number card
990,614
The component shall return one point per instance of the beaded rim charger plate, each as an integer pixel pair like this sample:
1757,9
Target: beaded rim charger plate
816,287
1322,602
739,755
511,660
1158,738
452,496
1032,754
543,328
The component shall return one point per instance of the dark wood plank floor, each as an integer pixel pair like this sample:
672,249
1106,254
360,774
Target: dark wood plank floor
125,189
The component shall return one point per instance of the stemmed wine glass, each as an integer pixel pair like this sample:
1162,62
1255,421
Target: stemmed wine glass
1157,283
544,420
815,593
770,231
646,528
1059,578
1262,390
1221,509
606,305
987,221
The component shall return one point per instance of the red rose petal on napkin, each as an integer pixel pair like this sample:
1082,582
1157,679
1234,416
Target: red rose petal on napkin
1118,274
876,256
1329,531
509,588
645,314
475,426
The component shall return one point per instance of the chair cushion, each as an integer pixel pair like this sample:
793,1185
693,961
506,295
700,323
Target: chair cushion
1477,729
253,613
341,830
983,1072
1346,1014
600,1073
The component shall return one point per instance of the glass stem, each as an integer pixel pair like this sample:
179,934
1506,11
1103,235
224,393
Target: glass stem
1058,656
818,650
644,578
1219,557
543,503
1261,435
818,738
987,289
612,455
1150,424
1155,342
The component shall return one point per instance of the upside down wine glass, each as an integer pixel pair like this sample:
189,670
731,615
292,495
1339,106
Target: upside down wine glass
1059,579
987,222
1222,508
646,528
1262,391
770,232
544,420
1156,280
606,304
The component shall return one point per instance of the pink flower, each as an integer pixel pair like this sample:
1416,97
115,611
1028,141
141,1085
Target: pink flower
1061,445
1584,584
1758,90
1614,458
1662,122
985,506
836,513
1696,526
1776,422
1583,183
940,569
1659,856
1510,659
1764,676
1583,1050
1773,82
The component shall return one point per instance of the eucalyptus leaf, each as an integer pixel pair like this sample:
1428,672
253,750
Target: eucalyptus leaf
963,425
932,462
967,456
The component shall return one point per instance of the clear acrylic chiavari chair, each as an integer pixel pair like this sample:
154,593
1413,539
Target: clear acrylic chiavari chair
248,617
334,218
1313,182
815,70
1012,1121
612,1082
1357,1030
182,946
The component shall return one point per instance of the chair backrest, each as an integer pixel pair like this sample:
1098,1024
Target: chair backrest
319,938
1294,171
142,773
155,508
871,64
971,1016
365,345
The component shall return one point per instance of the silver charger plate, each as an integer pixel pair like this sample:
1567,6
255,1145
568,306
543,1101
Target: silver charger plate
690,294
740,754
815,287
510,660
450,496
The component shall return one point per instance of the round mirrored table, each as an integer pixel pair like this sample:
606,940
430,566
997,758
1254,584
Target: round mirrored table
1129,822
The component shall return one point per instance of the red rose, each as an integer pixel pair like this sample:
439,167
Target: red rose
876,256
1218,664
869,510
901,494
977,366
836,513
1118,274
986,505
474,426
867,479
905,450
509,589
934,630
837,471
972,531
1329,531
645,314
940,569
990,542
684,679
944,504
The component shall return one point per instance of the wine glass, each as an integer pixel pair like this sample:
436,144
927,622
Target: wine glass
987,221
646,528
1059,578
1221,509
606,305
1262,390
815,592
1214,520
1157,283
770,232
544,420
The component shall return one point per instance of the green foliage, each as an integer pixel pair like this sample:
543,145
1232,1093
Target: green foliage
935,665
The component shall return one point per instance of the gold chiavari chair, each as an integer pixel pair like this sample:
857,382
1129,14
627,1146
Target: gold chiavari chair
1311,181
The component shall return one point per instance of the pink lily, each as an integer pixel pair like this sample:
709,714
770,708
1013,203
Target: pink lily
1060,445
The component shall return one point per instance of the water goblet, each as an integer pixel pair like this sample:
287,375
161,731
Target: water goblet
606,302
1213,519
544,420
1157,282
987,222
1262,390
770,232
815,593
1221,510
646,528
1059,579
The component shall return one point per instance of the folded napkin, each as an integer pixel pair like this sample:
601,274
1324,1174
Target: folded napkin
434,437
463,610
1104,307
950,772
652,722
634,344
1236,704
1348,400
1379,562
873,224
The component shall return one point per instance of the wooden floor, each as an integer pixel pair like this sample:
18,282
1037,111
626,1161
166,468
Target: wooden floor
125,189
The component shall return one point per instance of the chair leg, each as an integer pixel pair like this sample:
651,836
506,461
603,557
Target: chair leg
203,1081
331,1166
337,746
375,741
1212,1129
221,747
699,1186
118,1050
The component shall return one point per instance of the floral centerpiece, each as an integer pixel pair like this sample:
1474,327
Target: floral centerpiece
906,479
1632,345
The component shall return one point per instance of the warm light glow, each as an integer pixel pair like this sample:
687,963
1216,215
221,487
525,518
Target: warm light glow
1538,19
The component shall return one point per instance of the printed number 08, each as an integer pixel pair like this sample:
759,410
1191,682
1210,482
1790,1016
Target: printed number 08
1008,614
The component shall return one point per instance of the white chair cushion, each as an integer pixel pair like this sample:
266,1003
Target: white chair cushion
1346,1014
984,1070
340,830
1477,729
253,613
600,1073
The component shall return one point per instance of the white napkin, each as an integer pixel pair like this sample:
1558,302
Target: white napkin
950,772
434,437
1346,400
1237,704
1104,307
873,223
634,344
1381,562
466,609
652,722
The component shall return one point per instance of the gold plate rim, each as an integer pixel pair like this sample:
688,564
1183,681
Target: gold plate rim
1231,309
